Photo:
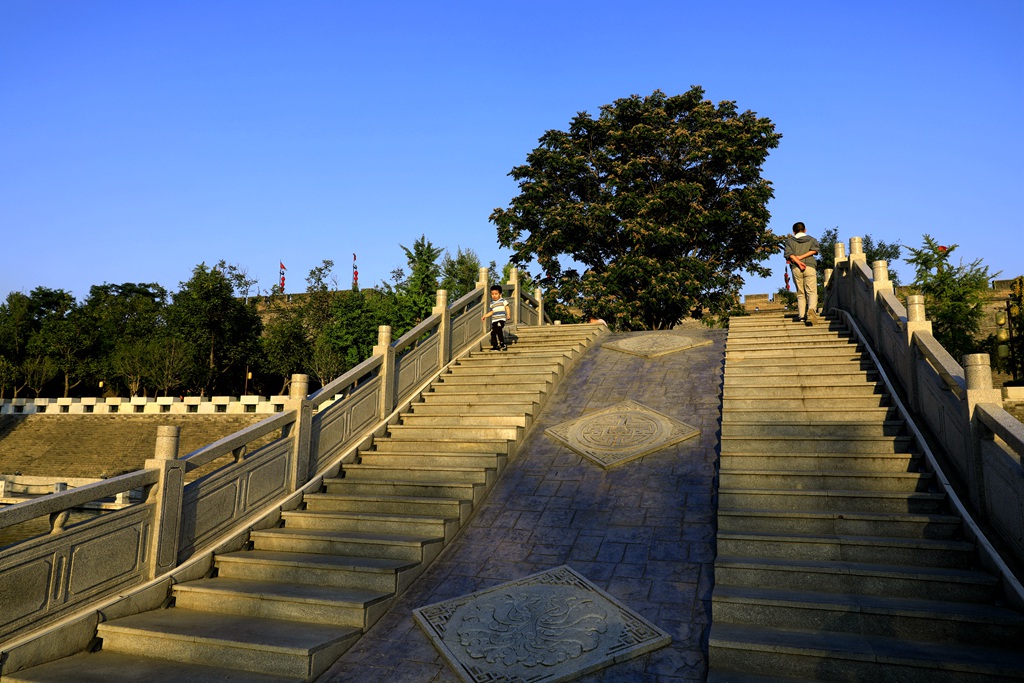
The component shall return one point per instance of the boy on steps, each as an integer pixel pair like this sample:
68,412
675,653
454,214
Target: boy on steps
499,313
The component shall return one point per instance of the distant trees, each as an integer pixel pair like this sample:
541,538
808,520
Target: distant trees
212,333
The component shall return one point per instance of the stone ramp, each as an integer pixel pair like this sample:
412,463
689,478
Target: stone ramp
307,587
839,559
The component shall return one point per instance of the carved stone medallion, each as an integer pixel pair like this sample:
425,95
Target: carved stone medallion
621,433
552,626
655,344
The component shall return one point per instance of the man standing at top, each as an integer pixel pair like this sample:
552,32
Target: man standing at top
800,251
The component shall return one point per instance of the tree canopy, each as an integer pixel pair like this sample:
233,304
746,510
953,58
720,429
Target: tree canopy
649,213
954,295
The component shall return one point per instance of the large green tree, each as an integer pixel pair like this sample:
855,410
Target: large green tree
459,274
649,213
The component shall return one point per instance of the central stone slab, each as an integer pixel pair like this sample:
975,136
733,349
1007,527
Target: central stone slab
546,627
655,344
621,433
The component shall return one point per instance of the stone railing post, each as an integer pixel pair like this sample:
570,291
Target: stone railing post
880,278
483,282
915,323
387,370
444,328
166,496
513,279
298,400
915,317
857,250
3,488
540,304
978,372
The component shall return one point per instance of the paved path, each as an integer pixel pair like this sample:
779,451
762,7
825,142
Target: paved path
643,531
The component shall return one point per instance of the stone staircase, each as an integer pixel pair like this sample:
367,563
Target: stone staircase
302,592
838,557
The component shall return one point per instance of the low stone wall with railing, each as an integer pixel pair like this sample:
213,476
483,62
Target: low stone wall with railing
980,443
124,561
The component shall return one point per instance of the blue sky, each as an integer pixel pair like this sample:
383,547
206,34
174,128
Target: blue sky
138,139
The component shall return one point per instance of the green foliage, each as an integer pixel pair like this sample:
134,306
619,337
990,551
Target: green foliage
221,331
1015,321
660,200
786,297
459,274
954,295
418,294
873,251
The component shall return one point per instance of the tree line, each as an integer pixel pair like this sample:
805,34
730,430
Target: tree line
210,337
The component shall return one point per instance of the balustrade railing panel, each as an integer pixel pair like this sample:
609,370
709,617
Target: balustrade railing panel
45,578
222,500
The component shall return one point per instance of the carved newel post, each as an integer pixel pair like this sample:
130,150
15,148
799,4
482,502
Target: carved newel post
387,370
444,328
513,279
857,250
880,278
482,283
166,497
298,400
978,371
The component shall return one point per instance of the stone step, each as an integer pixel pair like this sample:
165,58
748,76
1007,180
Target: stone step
833,501
835,480
816,430
366,573
492,385
106,666
486,460
927,583
308,603
462,418
440,394
551,361
813,444
372,522
268,646
398,487
507,373
755,402
874,549
856,462
932,526
797,332
818,394
794,346
805,355
817,413
827,366
408,445
773,377
466,410
432,473
831,656
413,505
458,432
913,619
359,544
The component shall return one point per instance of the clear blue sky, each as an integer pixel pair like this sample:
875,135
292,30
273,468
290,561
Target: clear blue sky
138,139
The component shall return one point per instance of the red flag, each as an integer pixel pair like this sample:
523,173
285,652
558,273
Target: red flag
282,266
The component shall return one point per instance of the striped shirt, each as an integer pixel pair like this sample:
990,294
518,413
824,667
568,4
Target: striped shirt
498,310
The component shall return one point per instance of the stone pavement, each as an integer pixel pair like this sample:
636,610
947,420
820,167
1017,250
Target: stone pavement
643,531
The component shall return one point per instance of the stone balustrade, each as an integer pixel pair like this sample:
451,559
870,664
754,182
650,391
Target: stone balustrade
85,572
977,440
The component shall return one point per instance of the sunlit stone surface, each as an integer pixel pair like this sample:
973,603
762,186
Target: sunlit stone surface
621,433
655,344
551,626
